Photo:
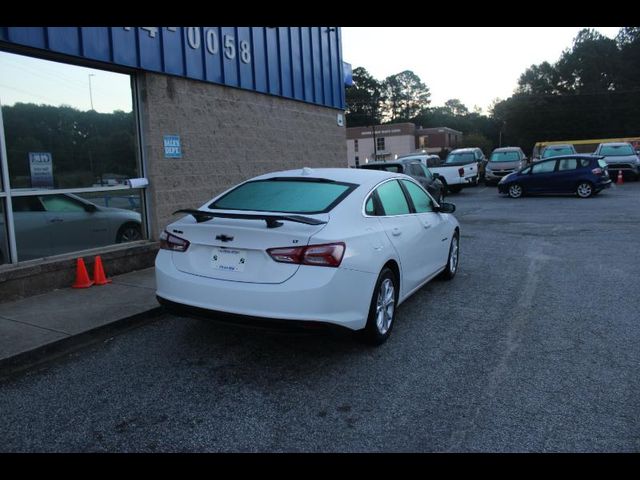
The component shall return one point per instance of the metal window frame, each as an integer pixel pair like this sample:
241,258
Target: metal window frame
6,193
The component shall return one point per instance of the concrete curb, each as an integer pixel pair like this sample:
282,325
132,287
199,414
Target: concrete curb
64,346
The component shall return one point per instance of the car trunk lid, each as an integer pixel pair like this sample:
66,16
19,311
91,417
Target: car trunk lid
234,249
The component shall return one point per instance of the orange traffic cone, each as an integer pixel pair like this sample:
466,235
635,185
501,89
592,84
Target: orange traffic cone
99,278
620,180
82,276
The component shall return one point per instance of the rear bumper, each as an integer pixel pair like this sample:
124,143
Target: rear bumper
314,294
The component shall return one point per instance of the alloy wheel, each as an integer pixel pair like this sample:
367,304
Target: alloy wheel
453,256
515,191
584,190
385,306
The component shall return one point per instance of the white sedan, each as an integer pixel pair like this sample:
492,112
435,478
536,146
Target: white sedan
339,246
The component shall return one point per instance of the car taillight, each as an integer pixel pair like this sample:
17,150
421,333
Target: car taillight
597,171
461,171
173,243
326,255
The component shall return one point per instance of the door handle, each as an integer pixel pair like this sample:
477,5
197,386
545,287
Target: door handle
396,232
56,220
426,225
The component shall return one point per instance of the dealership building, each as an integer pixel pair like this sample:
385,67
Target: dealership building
106,131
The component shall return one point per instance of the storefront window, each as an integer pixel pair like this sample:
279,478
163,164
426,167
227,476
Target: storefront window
66,126
54,224
72,128
4,240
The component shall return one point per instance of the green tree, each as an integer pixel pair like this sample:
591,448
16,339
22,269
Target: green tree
628,41
364,99
456,107
590,66
475,139
538,80
406,95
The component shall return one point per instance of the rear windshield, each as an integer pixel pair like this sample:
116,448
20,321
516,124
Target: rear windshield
286,195
460,157
557,151
505,157
616,150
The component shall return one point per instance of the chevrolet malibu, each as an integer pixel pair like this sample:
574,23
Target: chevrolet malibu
338,246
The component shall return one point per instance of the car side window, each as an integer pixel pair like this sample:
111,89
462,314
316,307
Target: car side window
426,172
585,162
414,169
543,167
420,199
59,203
392,198
369,207
567,164
27,204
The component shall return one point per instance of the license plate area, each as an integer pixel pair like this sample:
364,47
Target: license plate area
229,259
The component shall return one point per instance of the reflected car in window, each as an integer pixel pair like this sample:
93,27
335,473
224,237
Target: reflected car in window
47,225
323,246
583,175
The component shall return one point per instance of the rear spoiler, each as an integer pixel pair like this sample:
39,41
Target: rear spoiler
273,221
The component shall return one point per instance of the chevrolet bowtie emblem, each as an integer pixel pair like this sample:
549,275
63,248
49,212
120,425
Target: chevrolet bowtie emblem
224,238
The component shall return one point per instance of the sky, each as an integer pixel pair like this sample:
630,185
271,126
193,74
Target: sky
31,80
473,64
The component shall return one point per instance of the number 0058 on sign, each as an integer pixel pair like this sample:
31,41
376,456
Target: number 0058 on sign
229,259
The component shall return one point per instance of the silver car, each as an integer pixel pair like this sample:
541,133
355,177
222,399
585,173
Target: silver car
502,162
621,157
48,225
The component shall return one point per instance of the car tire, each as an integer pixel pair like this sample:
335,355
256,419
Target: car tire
453,259
584,189
382,310
129,232
515,190
454,188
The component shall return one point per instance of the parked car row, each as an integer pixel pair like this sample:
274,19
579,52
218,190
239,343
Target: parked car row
346,247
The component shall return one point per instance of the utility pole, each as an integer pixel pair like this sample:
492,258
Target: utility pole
375,144
90,92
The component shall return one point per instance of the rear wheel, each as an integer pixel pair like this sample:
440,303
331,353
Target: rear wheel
129,232
515,190
584,189
455,188
382,310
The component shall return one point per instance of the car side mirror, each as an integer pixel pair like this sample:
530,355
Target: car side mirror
446,207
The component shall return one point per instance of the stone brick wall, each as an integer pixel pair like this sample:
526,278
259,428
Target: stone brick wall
227,136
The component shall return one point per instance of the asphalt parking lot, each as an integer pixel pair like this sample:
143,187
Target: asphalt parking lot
533,347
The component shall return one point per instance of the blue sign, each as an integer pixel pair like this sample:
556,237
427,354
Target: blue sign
348,74
41,167
301,63
172,147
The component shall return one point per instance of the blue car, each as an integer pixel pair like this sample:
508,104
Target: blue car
584,175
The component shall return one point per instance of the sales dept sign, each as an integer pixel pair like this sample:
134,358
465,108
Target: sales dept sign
41,167
172,147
